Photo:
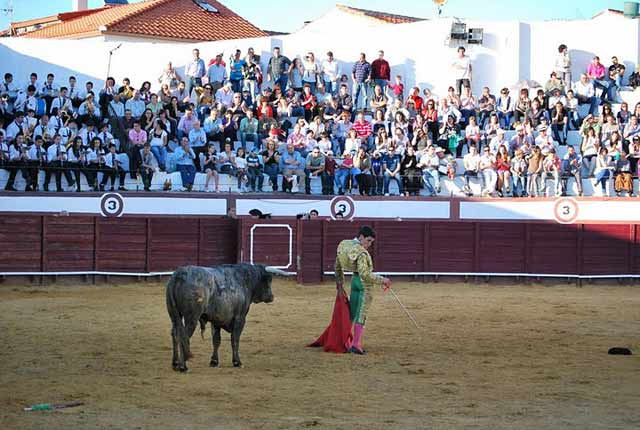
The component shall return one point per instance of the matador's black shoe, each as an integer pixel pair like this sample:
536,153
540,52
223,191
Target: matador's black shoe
354,350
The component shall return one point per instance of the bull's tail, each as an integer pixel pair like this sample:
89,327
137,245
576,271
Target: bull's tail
178,330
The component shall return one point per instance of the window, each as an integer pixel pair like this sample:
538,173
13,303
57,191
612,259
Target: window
206,6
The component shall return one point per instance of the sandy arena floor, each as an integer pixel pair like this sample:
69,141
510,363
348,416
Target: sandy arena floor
490,357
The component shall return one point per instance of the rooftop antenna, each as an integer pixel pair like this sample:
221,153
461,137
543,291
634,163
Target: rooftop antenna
439,4
8,10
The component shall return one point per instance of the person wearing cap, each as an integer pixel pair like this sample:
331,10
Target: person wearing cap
353,256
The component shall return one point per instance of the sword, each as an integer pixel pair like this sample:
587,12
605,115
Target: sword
406,311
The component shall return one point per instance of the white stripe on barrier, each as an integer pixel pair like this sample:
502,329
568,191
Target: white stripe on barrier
529,275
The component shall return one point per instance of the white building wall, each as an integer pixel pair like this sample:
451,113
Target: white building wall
417,51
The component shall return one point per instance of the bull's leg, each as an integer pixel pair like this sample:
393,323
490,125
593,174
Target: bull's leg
238,325
215,337
175,362
191,325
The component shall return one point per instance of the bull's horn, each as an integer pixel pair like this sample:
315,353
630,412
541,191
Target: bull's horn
277,271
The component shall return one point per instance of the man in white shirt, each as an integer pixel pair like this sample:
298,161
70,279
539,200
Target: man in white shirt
462,70
61,102
42,129
82,94
311,70
87,134
27,100
555,98
113,167
17,127
488,172
429,163
586,94
33,80
57,165
49,91
10,89
135,105
544,139
73,92
224,96
331,74
36,160
471,163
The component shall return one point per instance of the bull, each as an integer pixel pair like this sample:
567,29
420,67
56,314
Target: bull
220,295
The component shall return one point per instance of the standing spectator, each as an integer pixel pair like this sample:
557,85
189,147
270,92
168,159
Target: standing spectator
398,88
518,173
471,163
236,65
170,77
571,166
330,73
361,75
251,73
184,163
296,73
311,69
462,70
563,65
381,71
148,167
277,70
194,71
217,74
391,166
534,171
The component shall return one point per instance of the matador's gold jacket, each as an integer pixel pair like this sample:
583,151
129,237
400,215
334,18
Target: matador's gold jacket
353,257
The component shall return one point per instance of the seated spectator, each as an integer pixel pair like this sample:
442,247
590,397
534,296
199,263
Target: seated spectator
503,170
450,136
468,105
410,172
589,149
113,167
522,105
227,160
240,162
604,169
254,171
430,115
292,167
471,163
623,181
486,106
634,79
249,130
471,136
489,177
429,163
571,165
211,168
550,169
634,154
597,73
314,167
560,122
148,167
585,94
136,105
329,178
504,108
271,162
185,164
391,167
158,140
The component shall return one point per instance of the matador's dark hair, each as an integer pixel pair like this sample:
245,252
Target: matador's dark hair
367,231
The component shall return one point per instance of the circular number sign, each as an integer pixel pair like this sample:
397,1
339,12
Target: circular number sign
342,207
565,211
111,205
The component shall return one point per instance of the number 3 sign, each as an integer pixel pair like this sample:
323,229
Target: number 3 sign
565,210
111,205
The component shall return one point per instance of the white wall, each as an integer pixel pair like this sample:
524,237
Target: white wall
418,51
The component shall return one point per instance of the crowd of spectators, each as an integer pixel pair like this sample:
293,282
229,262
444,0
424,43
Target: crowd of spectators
358,129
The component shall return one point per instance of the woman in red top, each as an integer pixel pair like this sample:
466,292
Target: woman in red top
430,115
503,168
265,111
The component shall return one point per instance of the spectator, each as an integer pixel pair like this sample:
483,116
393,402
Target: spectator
585,93
522,106
486,106
364,130
391,167
604,169
254,171
240,162
571,166
271,162
315,165
158,140
194,71
590,148
560,122
362,167
551,169
197,142
563,65
277,70
429,163
471,163
503,170
361,75
462,70
148,167
112,168
410,172
468,105
379,100
329,177
330,73
381,71
184,163
554,83
56,163
136,105
211,168
292,167
398,88
311,70
249,130
76,161
296,73
534,171
169,77
487,166
519,174
623,180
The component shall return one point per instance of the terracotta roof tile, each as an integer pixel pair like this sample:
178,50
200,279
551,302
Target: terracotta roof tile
163,19
380,16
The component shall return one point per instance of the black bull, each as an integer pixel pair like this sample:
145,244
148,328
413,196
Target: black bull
221,295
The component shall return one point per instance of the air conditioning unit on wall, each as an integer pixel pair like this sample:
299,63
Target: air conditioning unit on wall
458,31
476,36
